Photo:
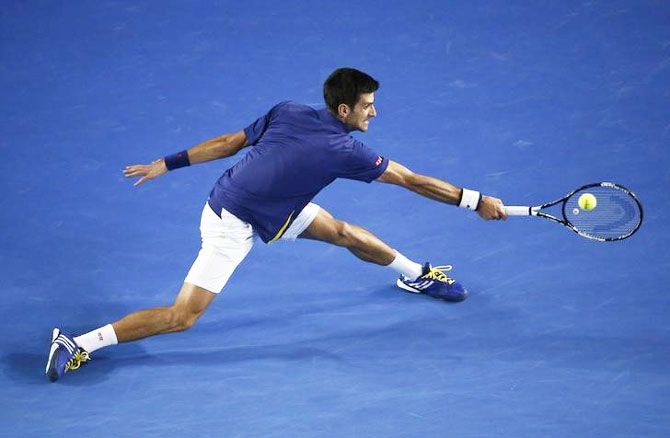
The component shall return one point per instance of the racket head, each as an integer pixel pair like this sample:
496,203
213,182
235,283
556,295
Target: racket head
618,213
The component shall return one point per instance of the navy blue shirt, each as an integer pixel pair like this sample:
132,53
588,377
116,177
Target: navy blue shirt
296,151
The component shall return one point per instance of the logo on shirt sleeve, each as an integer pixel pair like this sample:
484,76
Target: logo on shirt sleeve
379,161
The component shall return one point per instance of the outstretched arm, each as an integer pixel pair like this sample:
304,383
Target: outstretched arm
433,188
219,147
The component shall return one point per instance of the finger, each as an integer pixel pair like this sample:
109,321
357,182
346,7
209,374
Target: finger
137,172
140,181
138,166
499,210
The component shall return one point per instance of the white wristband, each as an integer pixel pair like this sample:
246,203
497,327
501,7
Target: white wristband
470,199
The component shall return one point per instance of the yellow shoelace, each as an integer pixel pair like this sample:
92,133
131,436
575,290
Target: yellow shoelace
79,357
437,273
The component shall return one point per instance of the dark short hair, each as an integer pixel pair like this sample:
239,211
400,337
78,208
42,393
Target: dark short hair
345,85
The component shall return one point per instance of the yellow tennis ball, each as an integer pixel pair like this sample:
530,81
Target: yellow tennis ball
587,202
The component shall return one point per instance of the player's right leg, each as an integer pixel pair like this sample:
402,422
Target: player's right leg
362,243
368,247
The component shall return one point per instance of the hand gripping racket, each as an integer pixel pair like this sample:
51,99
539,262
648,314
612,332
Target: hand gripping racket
616,216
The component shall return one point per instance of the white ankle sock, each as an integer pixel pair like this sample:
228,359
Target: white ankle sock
403,265
96,339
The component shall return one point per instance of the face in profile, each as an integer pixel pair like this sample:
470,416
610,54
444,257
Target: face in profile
363,111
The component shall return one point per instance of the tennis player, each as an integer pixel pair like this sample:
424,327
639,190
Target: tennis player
294,152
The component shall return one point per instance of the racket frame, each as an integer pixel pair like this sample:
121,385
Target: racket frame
535,211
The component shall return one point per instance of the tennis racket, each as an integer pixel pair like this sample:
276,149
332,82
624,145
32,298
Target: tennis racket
616,216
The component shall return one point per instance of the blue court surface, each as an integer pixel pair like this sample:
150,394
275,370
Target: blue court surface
560,337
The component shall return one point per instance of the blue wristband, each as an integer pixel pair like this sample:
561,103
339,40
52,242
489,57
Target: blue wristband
175,161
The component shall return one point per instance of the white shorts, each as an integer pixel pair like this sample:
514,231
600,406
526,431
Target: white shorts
227,240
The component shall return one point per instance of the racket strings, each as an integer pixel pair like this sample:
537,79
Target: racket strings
616,214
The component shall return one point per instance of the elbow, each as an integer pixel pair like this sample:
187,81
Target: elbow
229,145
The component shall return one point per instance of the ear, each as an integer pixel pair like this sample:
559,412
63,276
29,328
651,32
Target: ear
343,110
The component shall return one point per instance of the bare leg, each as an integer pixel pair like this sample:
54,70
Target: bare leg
362,243
190,304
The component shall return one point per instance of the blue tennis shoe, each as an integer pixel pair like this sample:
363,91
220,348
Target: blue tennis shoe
434,282
64,355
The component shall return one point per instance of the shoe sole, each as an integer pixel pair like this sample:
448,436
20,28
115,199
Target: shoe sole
403,286
458,298
453,299
52,363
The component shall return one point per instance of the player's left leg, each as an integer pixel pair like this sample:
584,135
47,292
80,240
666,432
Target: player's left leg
190,305
368,247
226,241
68,352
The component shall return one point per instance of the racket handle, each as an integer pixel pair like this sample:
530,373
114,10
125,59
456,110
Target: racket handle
519,210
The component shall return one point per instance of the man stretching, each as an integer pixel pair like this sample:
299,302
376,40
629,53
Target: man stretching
294,152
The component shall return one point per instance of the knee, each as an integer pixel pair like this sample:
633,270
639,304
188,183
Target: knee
181,319
346,233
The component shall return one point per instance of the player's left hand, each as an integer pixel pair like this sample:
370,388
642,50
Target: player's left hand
491,208
146,171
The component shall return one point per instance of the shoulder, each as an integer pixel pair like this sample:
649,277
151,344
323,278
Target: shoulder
291,104
289,108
